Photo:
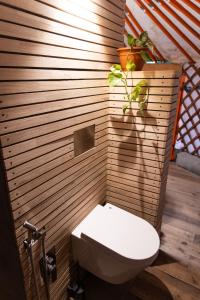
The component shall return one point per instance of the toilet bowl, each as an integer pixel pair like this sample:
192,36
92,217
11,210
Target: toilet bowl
114,244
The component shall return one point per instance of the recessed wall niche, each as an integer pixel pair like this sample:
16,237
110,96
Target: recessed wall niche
84,139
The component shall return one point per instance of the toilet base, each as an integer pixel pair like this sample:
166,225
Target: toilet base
104,265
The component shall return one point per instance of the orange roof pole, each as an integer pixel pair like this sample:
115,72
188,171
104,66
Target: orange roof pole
185,11
133,19
170,23
192,5
147,11
128,22
177,17
141,29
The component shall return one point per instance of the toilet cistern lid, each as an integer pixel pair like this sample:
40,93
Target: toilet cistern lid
120,231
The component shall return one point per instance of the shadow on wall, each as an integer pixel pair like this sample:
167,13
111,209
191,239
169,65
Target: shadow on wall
136,141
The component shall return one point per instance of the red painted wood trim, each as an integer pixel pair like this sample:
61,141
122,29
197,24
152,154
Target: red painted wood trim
153,18
178,18
179,7
134,31
170,23
133,19
192,5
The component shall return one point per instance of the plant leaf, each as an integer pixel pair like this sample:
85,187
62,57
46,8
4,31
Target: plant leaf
135,93
130,40
113,79
116,67
145,56
140,87
144,38
115,75
138,43
130,65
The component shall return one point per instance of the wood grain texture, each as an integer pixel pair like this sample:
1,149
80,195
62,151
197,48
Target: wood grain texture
54,63
175,273
139,145
178,264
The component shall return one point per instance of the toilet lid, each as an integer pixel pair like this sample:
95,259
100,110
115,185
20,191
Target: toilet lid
122,232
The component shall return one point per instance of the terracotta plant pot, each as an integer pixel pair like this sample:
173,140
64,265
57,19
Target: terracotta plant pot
133,55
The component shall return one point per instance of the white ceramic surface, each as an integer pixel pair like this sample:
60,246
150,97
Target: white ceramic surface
113,244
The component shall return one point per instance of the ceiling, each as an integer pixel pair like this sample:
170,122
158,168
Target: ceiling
173,26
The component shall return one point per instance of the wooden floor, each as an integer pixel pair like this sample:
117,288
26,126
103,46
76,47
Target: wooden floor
176,273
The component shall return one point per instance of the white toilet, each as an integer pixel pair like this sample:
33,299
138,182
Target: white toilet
113,244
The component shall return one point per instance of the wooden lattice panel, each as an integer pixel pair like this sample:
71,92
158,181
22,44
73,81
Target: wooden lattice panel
189,120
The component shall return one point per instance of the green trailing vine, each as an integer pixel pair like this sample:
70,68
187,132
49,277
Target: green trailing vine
138,94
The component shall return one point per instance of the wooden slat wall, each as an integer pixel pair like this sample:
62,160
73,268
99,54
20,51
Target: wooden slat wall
54,59
139,147
11,278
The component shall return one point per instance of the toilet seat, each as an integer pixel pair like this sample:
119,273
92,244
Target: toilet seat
125,234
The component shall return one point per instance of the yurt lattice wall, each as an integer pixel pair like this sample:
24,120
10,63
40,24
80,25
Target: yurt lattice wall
189,119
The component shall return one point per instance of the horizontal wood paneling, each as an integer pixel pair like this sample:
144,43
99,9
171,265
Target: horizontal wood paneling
91,11
92,34
58,38
139,146
20,124
43,74
14,60
54,61
49,96
41,108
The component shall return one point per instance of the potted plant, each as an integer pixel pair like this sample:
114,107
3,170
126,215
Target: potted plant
138,94
137,52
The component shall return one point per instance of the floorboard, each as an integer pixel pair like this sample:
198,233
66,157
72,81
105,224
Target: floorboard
175,275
